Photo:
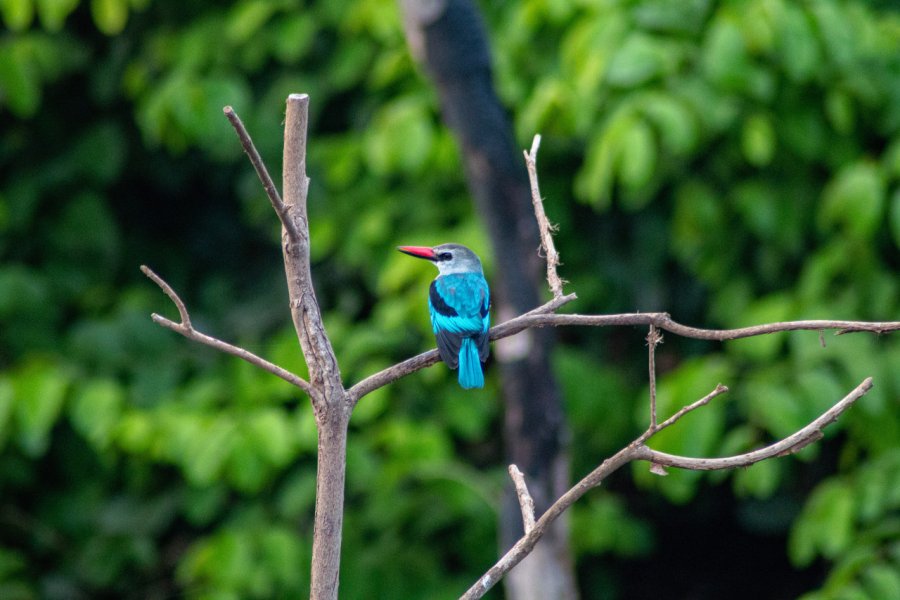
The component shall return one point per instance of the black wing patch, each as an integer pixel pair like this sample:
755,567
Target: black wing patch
438,304
448,344
484,347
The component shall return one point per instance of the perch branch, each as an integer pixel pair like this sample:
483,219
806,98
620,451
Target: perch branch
546,229
187,330
431,357
638,451
526,502
263,173
664,321
544,316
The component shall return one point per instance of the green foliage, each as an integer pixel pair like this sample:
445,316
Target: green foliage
729,162
852,520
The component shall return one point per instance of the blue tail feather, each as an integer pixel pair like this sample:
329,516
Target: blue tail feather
470,375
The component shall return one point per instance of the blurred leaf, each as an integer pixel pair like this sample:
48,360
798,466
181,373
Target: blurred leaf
400,139
639,59
110,16
895,216
247,18
40,389
882,581
637,159
759,480
758,140
7,396
825,526
854,199
840,111
19,77
799,48
53,13
605,526
96,409
675,125
17,14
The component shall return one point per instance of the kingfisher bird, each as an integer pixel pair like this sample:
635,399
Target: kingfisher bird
458,301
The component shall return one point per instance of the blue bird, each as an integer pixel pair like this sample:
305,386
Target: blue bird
458,301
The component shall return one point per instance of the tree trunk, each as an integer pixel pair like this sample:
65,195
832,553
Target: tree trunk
329,516
448,38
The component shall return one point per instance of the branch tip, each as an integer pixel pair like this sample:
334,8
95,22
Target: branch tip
526,502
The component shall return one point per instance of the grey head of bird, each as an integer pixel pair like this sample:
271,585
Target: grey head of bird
448,258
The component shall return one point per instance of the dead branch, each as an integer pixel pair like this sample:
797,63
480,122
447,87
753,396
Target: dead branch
526,502
546,229
187,330
262,172
637,450
664,321
789,445
653,340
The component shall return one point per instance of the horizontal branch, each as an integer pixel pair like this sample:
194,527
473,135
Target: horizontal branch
544,316
664,321
187,330
431,357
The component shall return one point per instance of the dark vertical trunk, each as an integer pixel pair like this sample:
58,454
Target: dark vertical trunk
448,38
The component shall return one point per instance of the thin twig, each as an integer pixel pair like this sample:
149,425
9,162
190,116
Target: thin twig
526,502
262,172
720,389
546,229
653,339
637,451
167,289
187,330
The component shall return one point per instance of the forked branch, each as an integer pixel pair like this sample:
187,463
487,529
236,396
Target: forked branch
187,330
637,450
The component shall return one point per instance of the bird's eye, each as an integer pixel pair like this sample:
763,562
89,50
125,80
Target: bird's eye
445,256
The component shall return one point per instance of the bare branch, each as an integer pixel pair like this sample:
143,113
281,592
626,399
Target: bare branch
431,357
167,289
305,312
526,503
789,445
544,316
664,321
546,229
187,330
654,429
654,338
638,451
262,172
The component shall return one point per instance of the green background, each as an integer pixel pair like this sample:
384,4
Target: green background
731,162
